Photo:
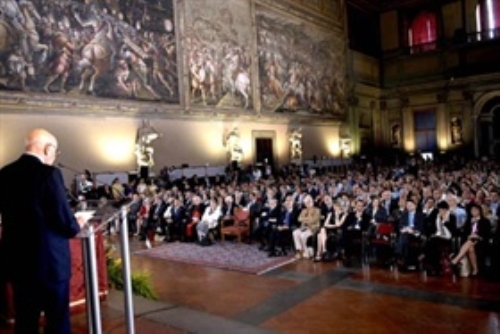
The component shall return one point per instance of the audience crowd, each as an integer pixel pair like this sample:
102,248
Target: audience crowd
439,216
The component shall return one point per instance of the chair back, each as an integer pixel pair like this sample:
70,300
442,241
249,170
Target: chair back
241,217
385,229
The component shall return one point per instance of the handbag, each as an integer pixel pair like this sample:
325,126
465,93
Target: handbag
464,267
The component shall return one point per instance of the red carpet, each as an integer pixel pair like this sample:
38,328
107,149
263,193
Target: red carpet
230,256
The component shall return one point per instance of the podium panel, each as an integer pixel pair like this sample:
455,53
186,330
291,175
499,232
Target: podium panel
77,283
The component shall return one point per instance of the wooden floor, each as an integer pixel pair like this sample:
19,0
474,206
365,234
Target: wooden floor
306,297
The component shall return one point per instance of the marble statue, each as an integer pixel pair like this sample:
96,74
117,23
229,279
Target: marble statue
232,144
144,150
295,138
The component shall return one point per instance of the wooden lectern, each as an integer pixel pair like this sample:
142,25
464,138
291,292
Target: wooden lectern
77,283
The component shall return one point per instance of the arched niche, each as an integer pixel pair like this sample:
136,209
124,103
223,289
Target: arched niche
487,125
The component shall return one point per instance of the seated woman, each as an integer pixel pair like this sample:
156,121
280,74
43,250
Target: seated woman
309,225
476,233
440,233
117,190
209,221
331,228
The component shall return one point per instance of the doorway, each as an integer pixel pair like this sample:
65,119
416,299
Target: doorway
264,151
264,147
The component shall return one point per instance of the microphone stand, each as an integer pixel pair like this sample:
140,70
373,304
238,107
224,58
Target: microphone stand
126,268
87,235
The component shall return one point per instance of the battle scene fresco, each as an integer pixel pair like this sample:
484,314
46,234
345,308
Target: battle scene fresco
301,67
217,50
107,48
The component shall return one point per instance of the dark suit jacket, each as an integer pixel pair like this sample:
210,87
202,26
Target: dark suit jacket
430,222
255,210
389,209
37,221
271,216
483,229
352,221
292,218
418,222
228,210
451,225
134,209
156,212
178,215
380,215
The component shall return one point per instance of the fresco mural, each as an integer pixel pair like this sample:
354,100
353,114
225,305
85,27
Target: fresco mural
301,67
106,48
217,51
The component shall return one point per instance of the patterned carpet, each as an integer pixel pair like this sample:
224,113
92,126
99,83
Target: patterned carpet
230,256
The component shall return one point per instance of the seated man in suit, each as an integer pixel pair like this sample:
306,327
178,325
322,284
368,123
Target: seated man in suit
175,218
133,213
227,209
270,216
356,223
388,202
254,206
411,228
281,231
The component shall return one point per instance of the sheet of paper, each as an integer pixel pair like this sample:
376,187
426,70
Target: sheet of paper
86,215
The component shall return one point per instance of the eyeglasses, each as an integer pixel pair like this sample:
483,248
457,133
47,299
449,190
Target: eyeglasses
56,150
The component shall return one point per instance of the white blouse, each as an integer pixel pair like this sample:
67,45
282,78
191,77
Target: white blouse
211,217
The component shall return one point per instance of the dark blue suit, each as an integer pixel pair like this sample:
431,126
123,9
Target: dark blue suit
37,223
177,223
404,239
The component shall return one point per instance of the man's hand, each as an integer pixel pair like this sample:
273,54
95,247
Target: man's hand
81,221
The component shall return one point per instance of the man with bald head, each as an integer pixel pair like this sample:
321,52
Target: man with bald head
37,225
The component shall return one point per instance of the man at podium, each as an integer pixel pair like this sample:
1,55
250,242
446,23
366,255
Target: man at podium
37,224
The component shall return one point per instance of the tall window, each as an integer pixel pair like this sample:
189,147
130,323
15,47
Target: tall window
488,19
422,34
425,131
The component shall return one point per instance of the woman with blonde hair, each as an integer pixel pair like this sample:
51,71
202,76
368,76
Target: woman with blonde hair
331,227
